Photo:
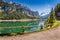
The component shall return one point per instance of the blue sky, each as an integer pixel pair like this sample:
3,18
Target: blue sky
38,5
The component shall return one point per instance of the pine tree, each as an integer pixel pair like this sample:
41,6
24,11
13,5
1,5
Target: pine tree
51,18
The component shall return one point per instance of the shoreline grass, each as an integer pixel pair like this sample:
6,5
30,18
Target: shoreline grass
55,24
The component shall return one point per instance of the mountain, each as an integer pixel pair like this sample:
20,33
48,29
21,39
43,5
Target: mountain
44,16
11,10
57,11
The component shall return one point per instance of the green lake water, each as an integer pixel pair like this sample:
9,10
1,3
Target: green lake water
16,27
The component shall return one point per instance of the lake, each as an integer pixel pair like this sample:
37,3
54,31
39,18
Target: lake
16,27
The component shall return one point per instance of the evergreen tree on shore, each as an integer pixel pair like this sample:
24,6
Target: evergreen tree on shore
51,19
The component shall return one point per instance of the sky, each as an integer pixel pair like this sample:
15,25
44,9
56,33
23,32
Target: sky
42,6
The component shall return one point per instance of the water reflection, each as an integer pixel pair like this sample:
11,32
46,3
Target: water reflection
14,29
35,28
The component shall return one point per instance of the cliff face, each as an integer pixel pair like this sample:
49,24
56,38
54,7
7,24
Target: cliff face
16,11
57,11
1,0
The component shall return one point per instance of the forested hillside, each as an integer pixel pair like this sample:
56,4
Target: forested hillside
10,11
57,11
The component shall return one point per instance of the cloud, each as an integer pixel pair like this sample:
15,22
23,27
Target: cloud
44,8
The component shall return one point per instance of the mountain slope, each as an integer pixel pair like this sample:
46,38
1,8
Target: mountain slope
10,11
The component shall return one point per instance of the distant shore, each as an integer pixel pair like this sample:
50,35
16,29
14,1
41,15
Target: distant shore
19,20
